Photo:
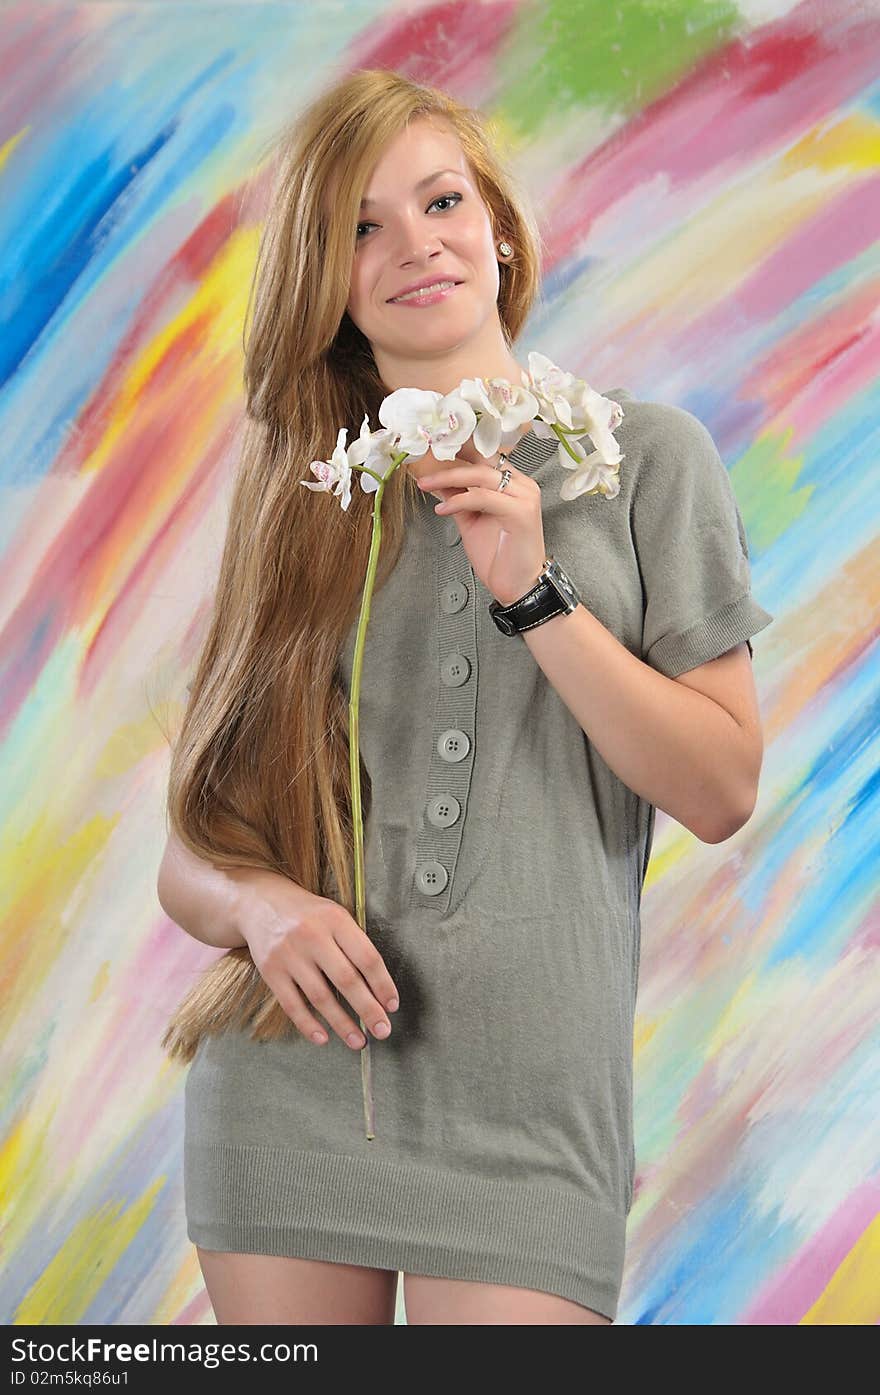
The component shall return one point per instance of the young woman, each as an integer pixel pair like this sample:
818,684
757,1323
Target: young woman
512,779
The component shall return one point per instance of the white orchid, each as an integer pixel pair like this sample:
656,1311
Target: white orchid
491,411
591,477
334,475
569,405
371,449
381,447
502,410
422,421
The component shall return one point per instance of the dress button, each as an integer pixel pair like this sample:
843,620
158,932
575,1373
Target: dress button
452,534
455,670
443,810
454,744
431,878
453,597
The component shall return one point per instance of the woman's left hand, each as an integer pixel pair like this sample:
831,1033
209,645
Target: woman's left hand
501,532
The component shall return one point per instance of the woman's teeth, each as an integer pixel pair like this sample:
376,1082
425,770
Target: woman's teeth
425,290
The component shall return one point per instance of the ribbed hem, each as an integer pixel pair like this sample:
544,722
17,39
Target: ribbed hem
353,1210
732,624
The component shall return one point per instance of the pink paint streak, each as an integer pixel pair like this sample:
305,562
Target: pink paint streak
749,100
795,1288
451,46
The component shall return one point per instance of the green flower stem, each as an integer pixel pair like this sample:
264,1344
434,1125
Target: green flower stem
354,751
560,432
355,767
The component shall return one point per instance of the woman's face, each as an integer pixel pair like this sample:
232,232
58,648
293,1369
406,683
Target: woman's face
422,218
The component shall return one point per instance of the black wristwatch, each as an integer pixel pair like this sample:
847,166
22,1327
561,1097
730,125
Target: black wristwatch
553,593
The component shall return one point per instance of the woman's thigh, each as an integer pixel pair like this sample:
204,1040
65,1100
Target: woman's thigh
430,1300
279,1289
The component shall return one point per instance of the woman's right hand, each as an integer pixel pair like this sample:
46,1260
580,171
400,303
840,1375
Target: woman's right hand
301,943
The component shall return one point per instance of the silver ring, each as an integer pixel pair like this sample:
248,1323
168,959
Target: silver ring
506,477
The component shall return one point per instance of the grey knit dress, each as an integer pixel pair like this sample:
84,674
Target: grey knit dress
504,866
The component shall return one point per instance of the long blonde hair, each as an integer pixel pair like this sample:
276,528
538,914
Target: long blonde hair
259,771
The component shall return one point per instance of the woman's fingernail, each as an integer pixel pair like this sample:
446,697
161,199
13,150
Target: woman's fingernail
393,1004
381,1029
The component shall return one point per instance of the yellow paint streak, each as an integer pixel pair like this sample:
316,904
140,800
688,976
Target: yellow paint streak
38,871
8,146
213,315
79,1269
850,1296
850,142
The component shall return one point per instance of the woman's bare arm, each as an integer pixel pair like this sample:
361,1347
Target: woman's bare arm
202,899
302,944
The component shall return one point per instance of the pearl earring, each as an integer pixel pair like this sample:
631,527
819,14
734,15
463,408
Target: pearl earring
505,249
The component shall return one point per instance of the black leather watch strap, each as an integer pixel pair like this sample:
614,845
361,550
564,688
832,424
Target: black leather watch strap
539,604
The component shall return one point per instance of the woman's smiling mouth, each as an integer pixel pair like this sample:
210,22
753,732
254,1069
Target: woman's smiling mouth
428,295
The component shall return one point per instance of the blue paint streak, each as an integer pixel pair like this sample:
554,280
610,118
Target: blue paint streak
839,788
708,1269
60,246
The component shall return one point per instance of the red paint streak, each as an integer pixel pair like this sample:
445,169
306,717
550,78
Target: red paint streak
172,288
179,524
748,101
451,46
145,484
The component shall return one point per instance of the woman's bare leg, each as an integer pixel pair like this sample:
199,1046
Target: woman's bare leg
433,1301
278,1289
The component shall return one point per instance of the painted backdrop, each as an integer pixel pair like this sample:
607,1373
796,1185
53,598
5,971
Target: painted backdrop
707,177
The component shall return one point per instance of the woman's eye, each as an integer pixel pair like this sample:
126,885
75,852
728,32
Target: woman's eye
441,198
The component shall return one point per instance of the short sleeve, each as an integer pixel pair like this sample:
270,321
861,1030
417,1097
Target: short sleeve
692,549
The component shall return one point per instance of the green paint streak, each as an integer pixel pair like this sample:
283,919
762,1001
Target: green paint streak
617,55
765,481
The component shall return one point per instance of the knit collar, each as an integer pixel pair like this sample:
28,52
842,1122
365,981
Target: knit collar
531,451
